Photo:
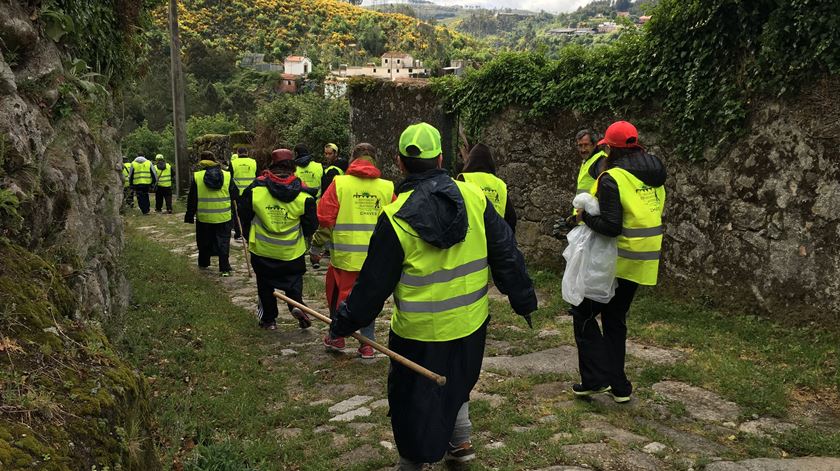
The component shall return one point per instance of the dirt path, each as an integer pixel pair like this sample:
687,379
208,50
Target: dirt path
524,415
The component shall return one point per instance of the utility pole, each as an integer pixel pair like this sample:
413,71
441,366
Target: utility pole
179,118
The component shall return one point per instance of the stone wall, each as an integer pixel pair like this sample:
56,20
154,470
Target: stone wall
754,227
70,400
381,110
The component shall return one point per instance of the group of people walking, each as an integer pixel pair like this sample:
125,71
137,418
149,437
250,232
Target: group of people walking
141,176
432,242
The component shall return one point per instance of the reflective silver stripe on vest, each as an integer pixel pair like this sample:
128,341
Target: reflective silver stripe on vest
213,210
642,232
354,227
638,255
581,191
274,241
441,306
213,200
350,248
257,222
441,276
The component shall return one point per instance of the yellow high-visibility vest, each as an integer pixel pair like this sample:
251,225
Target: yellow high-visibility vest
142,172
493,187
442,293
213,205
640,241
360,201
275,230
311,175
165,177
244,172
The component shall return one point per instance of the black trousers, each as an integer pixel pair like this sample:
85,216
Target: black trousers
601,354
269,278
163,194
234,211
213,240
142,193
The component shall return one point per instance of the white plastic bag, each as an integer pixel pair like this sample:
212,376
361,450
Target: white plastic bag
590,260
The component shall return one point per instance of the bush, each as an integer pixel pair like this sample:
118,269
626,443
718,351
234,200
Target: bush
699,62
308,118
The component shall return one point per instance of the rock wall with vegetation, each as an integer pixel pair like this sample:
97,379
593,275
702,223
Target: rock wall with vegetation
381,110
66,400
756,228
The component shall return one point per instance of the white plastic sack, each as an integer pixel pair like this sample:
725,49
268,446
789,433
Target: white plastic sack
590,260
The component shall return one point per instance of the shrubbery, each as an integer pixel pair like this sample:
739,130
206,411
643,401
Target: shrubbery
308,118
146,142
699,62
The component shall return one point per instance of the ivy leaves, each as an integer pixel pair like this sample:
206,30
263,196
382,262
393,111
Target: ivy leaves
701,62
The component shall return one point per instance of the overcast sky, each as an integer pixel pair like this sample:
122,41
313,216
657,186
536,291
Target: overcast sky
554,6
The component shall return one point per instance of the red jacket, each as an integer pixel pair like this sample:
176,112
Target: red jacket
328,204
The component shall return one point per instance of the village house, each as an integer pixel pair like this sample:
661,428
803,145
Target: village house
297,65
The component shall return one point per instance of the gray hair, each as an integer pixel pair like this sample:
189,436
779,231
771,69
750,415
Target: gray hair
593,136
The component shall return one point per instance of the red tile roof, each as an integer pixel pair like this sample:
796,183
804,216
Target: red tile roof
295,59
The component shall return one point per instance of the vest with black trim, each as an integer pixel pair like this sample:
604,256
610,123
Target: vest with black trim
244,172
165,177
275,229
442,293
142,172
640,241
311,175
493,187
126,170
360,202
213,205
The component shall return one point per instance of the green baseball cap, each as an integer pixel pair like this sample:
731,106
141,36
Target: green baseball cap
421,141
159,157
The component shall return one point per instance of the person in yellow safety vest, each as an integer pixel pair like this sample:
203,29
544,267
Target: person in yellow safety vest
480,170
434,249
243,169
128,192
336,166
350,207
631,196
210,199
141,177
163,191
309,171
277,219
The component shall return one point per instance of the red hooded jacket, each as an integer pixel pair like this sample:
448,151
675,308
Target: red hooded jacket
328,204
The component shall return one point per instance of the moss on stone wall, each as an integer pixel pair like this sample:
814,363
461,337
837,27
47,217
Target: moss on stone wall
66,400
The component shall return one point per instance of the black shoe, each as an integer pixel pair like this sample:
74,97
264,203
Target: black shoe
268,325
302,318
461,453
620,397
583,391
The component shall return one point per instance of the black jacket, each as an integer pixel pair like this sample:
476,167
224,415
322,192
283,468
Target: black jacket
423,413
330,174
214,179
646,167
282,192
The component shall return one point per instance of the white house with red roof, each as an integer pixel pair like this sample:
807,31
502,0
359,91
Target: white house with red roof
297,65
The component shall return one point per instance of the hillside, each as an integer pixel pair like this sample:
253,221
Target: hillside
323,29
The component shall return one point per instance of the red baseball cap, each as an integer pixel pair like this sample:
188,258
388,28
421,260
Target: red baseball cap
279,155
621,134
